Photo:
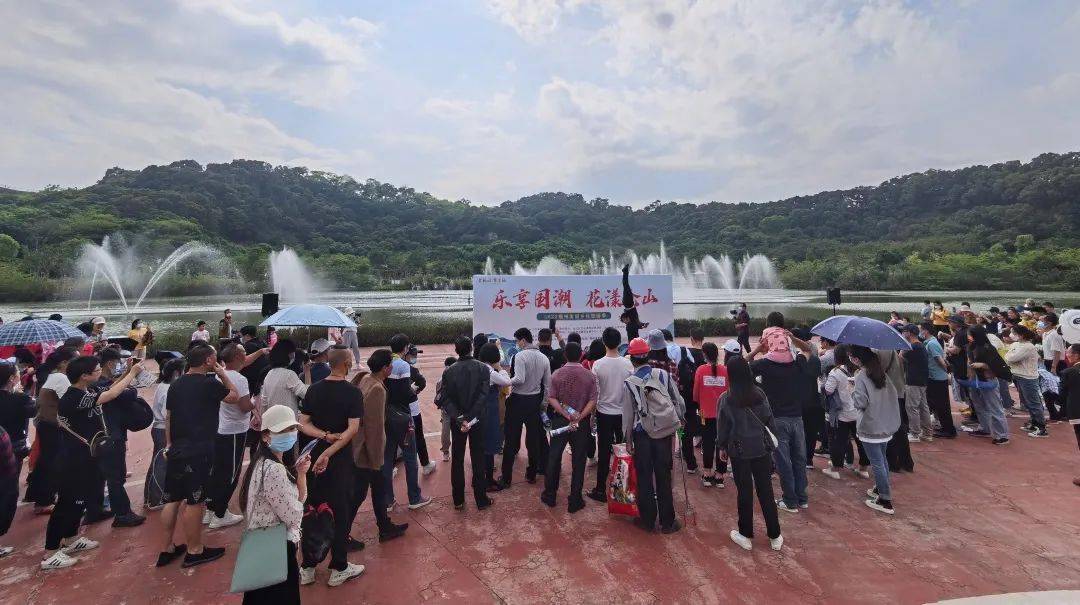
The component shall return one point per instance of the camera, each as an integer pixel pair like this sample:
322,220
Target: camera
734,311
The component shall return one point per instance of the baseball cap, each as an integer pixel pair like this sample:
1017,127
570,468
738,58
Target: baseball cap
732,346
638,347
320,346
279,418
349,311
97,320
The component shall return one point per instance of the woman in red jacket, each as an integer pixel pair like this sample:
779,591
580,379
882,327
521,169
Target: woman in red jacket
710,382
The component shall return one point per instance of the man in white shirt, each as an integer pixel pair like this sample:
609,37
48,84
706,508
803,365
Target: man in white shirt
531,380
233,422
200,333
611,371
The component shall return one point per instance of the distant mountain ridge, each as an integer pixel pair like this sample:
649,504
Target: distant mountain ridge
353,228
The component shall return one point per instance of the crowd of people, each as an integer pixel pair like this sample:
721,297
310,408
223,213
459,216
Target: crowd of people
322,428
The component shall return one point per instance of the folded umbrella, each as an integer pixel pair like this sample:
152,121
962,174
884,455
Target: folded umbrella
854,330
35,331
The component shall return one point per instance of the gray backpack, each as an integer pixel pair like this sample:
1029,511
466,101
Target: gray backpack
654,407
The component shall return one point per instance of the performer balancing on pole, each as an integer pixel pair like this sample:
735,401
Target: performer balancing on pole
629,315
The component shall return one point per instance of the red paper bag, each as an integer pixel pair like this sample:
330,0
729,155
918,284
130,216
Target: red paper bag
622,483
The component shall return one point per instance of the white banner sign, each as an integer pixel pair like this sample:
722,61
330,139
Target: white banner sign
585,304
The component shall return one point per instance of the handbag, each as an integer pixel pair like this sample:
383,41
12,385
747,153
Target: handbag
261,561
771,442
316,532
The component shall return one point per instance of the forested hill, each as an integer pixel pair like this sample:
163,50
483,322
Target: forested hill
1011,224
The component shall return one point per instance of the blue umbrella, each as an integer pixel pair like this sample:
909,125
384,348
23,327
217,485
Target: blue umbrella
36,330
316,316
854,330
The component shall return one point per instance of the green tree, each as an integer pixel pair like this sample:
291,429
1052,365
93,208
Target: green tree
9,248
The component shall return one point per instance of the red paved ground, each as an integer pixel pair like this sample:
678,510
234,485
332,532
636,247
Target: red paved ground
973,520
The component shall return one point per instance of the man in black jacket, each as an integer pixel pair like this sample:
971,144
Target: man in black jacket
464,392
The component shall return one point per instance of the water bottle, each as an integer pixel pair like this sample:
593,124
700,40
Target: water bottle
545,420
562,429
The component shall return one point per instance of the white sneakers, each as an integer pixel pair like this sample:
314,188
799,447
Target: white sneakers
337,578
307,576
745,543
83,544
446,457
784,507
420,504
428,468
63,557
740,539
830,472
206,517
6,550
58,560
229,519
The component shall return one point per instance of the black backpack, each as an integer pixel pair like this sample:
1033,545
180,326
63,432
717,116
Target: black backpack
687,369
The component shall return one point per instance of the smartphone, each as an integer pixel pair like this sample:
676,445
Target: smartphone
307,448
551,325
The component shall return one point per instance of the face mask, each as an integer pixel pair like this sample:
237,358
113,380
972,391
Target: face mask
1041,325
283,442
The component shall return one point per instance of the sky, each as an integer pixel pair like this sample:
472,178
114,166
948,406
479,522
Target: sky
629,100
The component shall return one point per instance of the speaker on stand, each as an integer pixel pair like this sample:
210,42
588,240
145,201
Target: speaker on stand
269,304
833,296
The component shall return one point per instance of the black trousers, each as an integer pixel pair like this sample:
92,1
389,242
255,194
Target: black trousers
579,450
112,471
228,458
693,428
608,433
41,482
840,445
744,340
9,501
421,441
285,593
710,454
77,475
813,420
523,411
335,487
1055,407
652,461
473,441
937,398
898,452
752,474
365,479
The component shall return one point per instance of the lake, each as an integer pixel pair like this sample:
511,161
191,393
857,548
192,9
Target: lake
381,308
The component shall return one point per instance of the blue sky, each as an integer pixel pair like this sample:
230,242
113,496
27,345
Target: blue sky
632,100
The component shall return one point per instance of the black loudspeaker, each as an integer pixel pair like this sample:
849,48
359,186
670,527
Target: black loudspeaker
834,295
269,304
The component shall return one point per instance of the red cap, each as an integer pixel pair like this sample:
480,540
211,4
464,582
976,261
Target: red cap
638,348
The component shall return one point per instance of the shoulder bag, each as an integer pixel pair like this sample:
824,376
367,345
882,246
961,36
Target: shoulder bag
260,562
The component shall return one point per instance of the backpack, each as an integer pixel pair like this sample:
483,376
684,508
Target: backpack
654,407
687,369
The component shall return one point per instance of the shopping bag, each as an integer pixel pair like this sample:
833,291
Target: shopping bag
622,483
261,561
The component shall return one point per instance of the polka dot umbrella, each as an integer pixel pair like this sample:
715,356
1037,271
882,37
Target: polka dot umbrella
855,330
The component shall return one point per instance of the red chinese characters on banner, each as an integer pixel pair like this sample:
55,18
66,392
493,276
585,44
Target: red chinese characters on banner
644,299
614,297
521,299
595,301
563,298
500,302
543,299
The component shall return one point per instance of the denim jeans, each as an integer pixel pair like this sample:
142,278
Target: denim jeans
412,468
876,453
1006,397
1031,397
987,404
790,459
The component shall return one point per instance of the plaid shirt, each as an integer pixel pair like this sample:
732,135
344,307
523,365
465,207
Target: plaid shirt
8,469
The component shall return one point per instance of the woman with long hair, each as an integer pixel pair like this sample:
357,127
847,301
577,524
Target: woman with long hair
744,434
838,388
596,351
492,423
874,397
154,486
272,494
282,386
985,366
710,383
52,384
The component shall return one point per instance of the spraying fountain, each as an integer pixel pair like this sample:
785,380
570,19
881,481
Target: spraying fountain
116,263
290,278
753,272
